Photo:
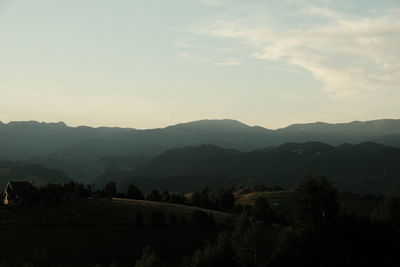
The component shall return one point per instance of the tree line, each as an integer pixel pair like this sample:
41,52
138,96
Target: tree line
322,232
323,229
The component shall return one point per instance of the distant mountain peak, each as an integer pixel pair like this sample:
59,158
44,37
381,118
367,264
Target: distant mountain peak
313,147
34,123
204,124
372,146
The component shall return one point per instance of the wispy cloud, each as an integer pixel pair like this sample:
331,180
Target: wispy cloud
349,54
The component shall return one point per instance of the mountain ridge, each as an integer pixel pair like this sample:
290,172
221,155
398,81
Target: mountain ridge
24,140
232,121
365,167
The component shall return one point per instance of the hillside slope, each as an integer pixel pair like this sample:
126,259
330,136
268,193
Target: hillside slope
35,173
363,167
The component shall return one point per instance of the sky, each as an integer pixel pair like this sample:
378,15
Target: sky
153,63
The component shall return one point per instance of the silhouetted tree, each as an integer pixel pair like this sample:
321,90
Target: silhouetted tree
148,259
351,241
178,198
202,199
154,196
219,254
263,211
244,242
110,190
316,201
134,193
82,191
195,199
165,197
227,200
388,211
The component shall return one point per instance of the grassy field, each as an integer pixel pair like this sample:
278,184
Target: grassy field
279,200
281,197
100,231
181,212
101,211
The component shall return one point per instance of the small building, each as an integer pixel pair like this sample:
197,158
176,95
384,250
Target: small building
17,193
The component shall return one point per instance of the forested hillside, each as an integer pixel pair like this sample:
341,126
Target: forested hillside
365,167
35,173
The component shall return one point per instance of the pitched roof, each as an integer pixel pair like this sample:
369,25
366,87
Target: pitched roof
16,188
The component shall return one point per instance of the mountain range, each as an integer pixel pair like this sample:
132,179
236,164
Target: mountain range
24,140
366,167
227,149
35,173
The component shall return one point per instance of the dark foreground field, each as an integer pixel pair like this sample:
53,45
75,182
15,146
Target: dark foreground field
90,232
87,245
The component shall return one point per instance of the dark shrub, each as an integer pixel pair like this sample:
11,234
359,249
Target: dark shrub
148,259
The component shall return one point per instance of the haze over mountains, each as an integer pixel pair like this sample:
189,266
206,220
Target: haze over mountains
208,152
23,140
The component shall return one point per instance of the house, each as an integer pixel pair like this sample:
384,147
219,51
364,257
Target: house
17,193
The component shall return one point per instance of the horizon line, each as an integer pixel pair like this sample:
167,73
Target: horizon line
187,122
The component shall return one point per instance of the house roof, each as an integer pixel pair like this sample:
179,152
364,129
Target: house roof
17,188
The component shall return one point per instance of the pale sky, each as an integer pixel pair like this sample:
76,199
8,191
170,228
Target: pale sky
153,63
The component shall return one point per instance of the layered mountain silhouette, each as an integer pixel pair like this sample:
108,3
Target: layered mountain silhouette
222,148
366,167
35,173
23,140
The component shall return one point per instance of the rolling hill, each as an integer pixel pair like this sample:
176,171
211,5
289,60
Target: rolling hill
35,173
93,231
365,167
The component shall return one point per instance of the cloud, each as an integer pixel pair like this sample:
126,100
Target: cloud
349,54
